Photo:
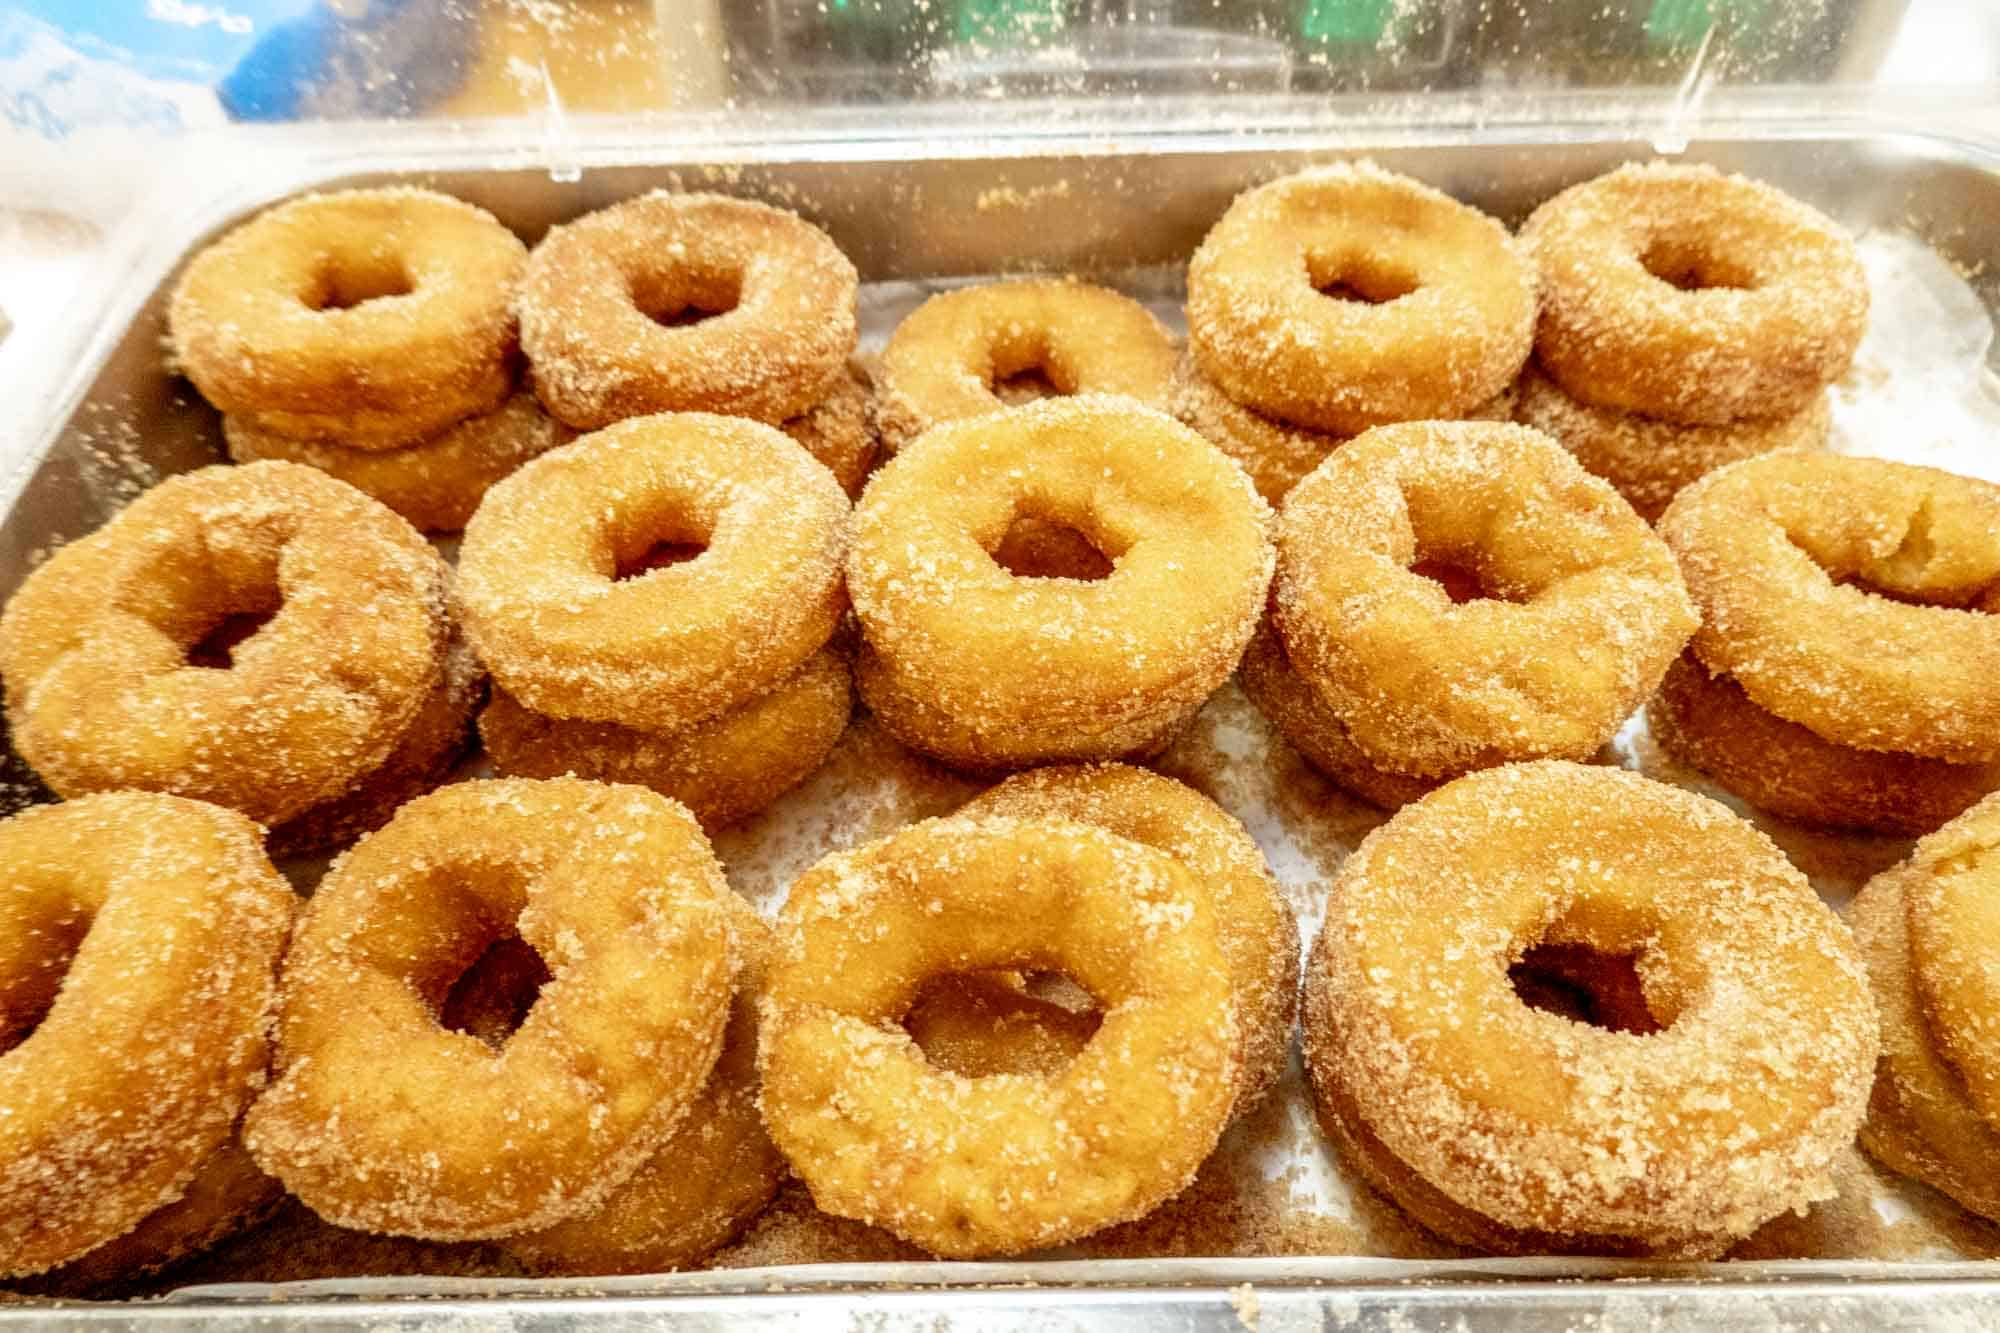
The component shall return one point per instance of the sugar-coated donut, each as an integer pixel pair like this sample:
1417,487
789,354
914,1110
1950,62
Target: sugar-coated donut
381,1119
561,631
98,645
1444,317
1671,1141
840,432
1580,613
1952,904
1805,567
944,360
997,1165
1678,292
139,943
973,665
778,295
366,318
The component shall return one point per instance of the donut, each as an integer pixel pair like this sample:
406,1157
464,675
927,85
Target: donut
1955,949
1651,461
840,432
1579,613
775,301
965,1167
979,668
1257,932
696,1193
1806,567
1441,317
723,770
1315,730
366,318
1671,1142
1706,722
978,1024
99,645
947,358
381,1119
550,617
436,483
437,738
1677,292
139,942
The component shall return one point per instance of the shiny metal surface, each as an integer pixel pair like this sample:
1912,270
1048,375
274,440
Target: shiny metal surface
1106,197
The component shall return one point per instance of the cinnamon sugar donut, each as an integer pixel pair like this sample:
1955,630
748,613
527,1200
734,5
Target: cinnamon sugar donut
1677,292
1444,314
1582,608
669,648
435,483
1651,461
1256,930
1671,1142
998,1165
1849,595
944,359
724,769
98,645
381,1119
1706,722
778,295
366,318
1952,905
840,432
139,940
969,663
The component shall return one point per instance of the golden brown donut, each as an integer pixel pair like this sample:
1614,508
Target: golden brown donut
99,646
1582,612
365,318
1706,722
778,297
1257,932
381,1119
1443,316
840,432
1651,461
724,769
973,665
1670,1142
547,612
434,483
1849,595
1952,904
1677,292
944,360
139,941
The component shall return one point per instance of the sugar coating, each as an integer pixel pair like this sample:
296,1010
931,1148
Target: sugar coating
1454,335
94,645
256,324
840,431
1789,557
1778,306
1650,461
1732,1113
1584,610
784,293
143,931
1950,899
944,360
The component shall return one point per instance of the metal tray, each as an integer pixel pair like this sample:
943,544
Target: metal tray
940,195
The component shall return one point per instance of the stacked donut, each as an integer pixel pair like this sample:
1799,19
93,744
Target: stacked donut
1927,931
700,303
655,602
1842,673
1340,299
1688,319
369,334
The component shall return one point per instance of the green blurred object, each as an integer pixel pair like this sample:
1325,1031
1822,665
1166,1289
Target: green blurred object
1351,22
1683,23
1008,21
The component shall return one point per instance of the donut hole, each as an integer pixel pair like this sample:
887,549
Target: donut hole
1461,577
343,282
667,541
1364,279
1693,267
216,648
680,300
1585,985
1037,548
491,998
1026,386
29,989
977,1024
